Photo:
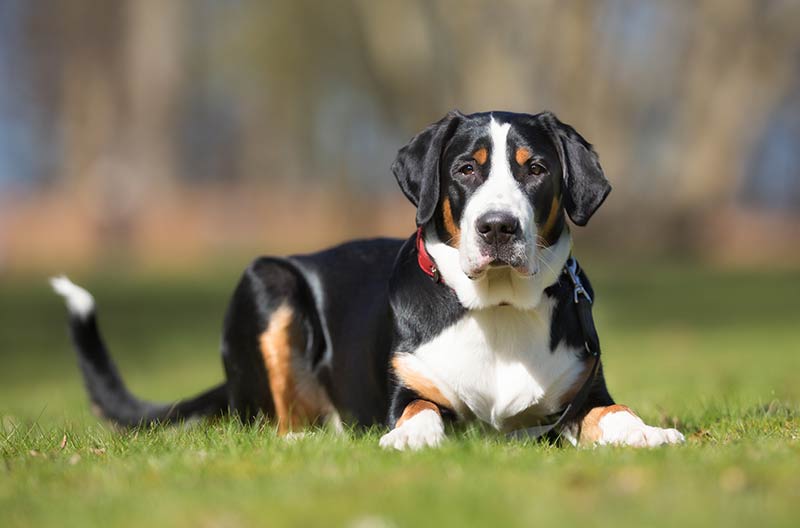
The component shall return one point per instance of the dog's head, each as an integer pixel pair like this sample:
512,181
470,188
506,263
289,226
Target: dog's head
496,186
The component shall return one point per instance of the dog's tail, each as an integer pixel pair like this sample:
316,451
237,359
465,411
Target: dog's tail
110,397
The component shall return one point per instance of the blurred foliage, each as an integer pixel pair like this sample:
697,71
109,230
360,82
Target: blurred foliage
118,109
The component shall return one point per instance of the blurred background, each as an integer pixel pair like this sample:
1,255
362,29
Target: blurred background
152,148
144,134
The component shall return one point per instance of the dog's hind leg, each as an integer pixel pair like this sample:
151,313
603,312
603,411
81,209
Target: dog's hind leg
270,343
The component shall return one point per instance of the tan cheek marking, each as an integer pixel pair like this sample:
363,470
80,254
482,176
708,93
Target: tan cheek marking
590,425
481,155
277,343
522,155
414,408
450,224
550,223
419,384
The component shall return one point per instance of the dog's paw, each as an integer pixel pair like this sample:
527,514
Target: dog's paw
626,429
422,430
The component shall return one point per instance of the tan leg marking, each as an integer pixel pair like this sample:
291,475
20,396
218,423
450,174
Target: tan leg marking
590,431
522,155
417,428
295,406
481,155
450,224
420,384
414,408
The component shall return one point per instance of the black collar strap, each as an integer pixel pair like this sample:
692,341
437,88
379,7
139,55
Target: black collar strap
583,307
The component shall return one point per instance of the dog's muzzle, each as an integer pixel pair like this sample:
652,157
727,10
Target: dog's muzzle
501,241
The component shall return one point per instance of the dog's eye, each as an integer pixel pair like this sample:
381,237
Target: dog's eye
467,169
537,169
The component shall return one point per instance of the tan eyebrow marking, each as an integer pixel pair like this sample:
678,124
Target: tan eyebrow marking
522,155
481,155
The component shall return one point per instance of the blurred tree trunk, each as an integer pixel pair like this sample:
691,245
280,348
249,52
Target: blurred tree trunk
736,73
154,49
119,84
87,41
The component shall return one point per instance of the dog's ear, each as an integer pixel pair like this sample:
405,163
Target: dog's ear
416,166
585,185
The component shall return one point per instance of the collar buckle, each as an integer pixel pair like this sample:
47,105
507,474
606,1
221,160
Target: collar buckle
572,270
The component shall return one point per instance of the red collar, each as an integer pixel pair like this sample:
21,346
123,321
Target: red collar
425,261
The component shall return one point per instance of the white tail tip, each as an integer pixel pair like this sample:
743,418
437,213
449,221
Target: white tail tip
79,301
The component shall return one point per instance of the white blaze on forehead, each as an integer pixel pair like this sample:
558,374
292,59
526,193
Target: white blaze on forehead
499,135
500,191
500,187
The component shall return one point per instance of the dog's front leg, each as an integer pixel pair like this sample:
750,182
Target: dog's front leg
619,425
418,425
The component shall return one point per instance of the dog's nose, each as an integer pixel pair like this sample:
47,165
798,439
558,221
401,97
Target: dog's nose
496,227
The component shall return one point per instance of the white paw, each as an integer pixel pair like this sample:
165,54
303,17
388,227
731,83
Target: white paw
294,436
422,430
624,428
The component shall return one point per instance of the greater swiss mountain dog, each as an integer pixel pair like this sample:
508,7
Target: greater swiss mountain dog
473,317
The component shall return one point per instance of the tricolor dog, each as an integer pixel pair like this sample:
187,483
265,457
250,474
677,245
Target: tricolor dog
479,315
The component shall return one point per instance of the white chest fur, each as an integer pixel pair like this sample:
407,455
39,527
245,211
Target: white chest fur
496,363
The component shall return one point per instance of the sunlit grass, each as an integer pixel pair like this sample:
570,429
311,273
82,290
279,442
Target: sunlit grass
715,353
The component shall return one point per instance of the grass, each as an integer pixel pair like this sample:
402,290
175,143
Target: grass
722,366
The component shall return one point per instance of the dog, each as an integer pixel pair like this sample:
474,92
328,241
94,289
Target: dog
481,314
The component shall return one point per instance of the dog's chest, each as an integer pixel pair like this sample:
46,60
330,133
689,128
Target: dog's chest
497,364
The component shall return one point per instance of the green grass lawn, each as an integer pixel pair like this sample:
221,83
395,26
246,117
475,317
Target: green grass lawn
715,353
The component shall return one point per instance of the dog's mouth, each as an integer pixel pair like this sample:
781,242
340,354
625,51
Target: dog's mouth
521,267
